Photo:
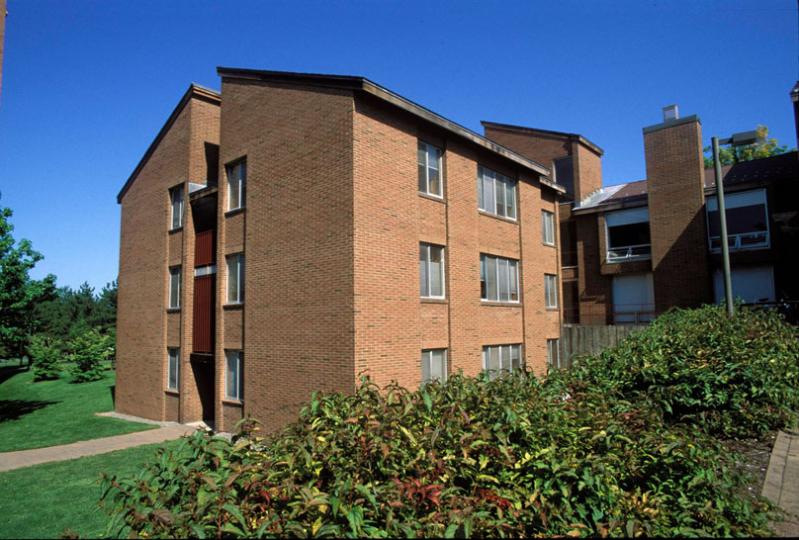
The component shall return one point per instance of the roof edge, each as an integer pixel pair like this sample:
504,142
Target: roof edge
575,136
195,91
358,83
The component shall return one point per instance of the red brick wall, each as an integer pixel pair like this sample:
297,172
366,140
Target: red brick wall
298,313
143,271
675,176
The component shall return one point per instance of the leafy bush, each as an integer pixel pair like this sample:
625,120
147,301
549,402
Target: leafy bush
511,457
46,356
734,377
89,351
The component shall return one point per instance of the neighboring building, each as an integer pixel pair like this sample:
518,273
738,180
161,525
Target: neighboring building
296,231
634,250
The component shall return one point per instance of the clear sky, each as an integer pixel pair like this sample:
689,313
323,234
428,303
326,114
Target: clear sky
88,84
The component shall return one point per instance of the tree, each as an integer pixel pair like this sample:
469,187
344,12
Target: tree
89,351
734,154
19,294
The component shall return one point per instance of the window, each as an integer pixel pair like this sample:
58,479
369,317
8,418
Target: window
234,388
174,287
553,353
499,359
429,159
627,233
496,193
431,271
176,199
236,184
235,278
633,298
548,227
551,290
499,279
752,284
173,369
434,365
747,221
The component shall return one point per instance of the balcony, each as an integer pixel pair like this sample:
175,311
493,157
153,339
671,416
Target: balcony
742,241
620,254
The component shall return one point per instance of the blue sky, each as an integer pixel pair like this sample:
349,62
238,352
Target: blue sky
87,84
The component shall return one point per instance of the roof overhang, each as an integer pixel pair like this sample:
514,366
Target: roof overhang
362,84
546,132
194,91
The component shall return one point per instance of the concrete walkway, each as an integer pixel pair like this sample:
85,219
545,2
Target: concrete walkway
26,458
782,482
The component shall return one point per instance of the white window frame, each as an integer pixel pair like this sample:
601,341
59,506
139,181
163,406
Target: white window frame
241,179
636,252
176,207
427,356
237,355
553,353
551,291
173,359
548,227
175,278
238,260
731,201
428,150
427,248
497,280
508,186
493,374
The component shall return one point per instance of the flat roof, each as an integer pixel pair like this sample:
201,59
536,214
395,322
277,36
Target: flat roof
362,84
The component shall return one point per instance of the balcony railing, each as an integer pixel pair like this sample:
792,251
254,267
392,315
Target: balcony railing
629,253
742,241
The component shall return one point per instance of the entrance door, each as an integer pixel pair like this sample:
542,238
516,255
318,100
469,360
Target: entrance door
203,368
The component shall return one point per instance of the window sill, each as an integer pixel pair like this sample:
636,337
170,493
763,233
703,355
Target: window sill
553,309
176,230
235,211
435,198
233,402
549,245
492,303
171,392
173,310
427,300
239,305
495,216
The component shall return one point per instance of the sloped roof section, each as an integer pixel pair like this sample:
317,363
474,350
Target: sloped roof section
195,91
362,84
537,131
764,170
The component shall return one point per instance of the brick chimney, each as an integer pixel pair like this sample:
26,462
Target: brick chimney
675,177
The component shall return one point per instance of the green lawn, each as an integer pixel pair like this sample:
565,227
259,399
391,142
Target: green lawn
49,413
44,500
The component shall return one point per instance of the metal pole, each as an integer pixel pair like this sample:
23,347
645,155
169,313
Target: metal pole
725,247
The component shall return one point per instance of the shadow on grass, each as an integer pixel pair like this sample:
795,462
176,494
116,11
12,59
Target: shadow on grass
12,409
6,372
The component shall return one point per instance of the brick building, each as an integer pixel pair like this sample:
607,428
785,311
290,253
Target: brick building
378,238
633,250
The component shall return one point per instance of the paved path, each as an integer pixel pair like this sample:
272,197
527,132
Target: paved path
782,482
26,458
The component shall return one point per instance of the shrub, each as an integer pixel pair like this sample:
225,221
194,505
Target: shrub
89,350
46,357
510,457
734,377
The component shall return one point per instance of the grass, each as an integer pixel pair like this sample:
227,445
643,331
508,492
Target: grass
50,413
44,500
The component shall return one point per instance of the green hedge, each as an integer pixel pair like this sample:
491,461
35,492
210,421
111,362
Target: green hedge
595,451
734,377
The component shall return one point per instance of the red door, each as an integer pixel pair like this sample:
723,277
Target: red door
204,314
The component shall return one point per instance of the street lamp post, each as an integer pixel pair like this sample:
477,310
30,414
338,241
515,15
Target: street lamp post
738,139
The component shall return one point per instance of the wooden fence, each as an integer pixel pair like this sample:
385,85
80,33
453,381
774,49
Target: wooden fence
576,340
